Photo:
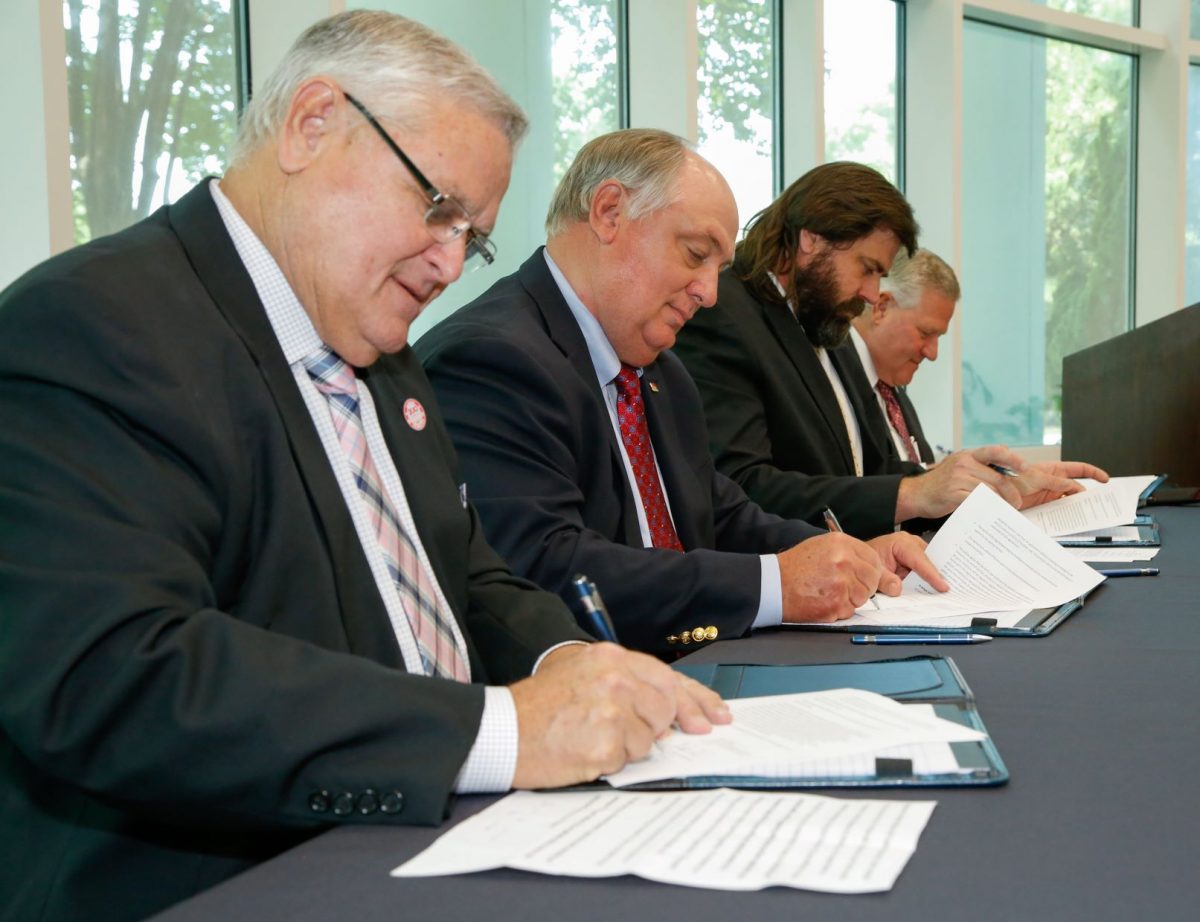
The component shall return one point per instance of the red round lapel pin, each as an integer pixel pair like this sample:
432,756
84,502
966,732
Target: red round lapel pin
414,414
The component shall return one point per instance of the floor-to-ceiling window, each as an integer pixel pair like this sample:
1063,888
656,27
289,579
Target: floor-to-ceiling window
735,96
861,93
1193,179
1047,197
153,94
1118,11
561,60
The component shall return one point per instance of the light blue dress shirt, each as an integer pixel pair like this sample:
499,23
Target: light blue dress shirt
607,364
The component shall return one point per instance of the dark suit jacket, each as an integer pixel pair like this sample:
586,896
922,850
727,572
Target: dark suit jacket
872,417
541,460
774,421
196,668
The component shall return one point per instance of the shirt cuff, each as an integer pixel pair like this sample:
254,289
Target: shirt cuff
770,594
492,762
557,646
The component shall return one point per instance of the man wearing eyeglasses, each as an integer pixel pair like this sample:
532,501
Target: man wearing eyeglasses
582,437
242,595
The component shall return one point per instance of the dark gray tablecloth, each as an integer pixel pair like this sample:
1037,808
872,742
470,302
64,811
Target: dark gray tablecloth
1101,820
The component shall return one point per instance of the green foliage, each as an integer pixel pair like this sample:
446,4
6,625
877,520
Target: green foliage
173,109
1088,170
871,121
586,87
735,79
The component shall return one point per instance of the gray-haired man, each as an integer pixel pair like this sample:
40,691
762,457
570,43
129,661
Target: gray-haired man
242,595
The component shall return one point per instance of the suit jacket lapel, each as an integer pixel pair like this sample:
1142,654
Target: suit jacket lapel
564,331
877,441
795,343
202,232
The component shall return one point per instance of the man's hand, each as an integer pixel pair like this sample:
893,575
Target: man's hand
827,577
901,553
1040,483
591,708
941,489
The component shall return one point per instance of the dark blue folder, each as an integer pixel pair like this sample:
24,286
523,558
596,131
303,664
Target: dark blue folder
926,679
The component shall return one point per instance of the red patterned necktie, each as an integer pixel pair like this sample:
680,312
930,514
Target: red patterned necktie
896,418
430,624
635,435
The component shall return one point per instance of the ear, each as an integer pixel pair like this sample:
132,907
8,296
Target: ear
308,125
607,213
884,303
810,243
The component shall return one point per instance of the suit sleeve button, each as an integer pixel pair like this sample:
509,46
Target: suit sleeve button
343,804
318,802
391,803
368,802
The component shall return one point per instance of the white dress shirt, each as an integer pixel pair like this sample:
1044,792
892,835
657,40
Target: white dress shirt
493,758
868,364
607,364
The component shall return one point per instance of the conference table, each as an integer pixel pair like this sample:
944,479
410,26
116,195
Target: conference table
1100,821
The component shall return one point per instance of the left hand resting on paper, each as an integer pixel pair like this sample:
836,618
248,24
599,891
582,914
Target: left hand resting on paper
900,553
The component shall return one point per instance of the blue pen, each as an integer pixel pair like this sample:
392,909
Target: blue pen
1001,469
1130,571
598,621
920,638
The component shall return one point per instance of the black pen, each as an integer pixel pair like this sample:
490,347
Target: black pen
594,608
1130,571
1001,469
835,527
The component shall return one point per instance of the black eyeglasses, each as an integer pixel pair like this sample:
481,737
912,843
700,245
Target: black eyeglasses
446,219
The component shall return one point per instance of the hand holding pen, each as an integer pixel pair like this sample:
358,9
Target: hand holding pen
835,528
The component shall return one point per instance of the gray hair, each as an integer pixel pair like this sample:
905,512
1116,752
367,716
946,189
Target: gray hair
643,160
387,59
911,275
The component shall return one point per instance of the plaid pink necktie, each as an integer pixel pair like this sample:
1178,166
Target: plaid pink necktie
430,624
635,434
896,418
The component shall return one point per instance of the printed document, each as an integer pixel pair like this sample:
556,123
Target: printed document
1100,505
995,560
720,839
1110,554
775,735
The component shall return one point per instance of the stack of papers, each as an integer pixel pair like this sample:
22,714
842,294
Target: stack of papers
1098,509
996,561
719,839
834,732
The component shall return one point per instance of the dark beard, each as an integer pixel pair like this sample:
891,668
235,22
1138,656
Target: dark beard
813,290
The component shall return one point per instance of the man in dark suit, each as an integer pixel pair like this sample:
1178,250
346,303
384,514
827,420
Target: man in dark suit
582,441
241,597
888,342
782,419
